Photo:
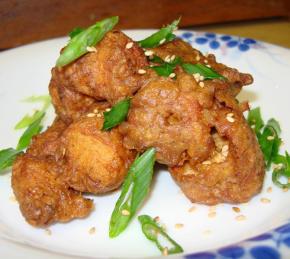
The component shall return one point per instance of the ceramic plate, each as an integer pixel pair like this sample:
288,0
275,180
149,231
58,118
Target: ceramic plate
25,71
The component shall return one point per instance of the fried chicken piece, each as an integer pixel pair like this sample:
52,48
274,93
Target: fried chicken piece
168,114
42,194
69,105
184,50
46,145
233,173
110,73
97,160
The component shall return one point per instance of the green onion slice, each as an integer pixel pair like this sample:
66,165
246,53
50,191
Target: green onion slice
7,157
134,190
269,141
165,68
117,114
255,119
75,32
29,119
206,72
155,233
78,44
33,129
163,35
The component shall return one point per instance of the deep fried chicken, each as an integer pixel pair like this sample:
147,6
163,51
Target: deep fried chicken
43,195
110,73
97,160
233,173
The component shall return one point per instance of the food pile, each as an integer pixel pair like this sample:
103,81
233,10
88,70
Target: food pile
176,100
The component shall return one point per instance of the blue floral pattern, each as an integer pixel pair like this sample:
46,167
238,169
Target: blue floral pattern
271,245
216,41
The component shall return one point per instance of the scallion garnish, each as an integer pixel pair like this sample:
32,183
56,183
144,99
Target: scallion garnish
33,124
134,190
117,114
282,170
155,233
255,119
89,37
164,68
33,129
163,35
7,157
206,72
29,119
269,139
75,32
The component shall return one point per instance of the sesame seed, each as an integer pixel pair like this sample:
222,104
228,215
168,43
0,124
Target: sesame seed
208,66
172,75
48,231
229,117
225,148
125,212
63,152
90,115
207,162
207,232
91,49
99,115
108,109
278,166
162,41
148,53
192,209
205,61
141,71
172,58
167,58
129,45
92,230
270,137
157,219
212,208
197,58
269,189
96,110
165,251
253,126
236,209
265,200
211,214
201,84
179,225
12,198
196,75
201,78
240,218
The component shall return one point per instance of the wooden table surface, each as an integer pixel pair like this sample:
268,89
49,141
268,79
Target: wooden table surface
276,31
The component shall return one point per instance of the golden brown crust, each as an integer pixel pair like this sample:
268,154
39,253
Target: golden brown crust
97,160
42,194
232,176
110,73
167,114
46,145
69,105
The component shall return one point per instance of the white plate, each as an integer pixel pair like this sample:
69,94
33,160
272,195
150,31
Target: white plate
25,71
